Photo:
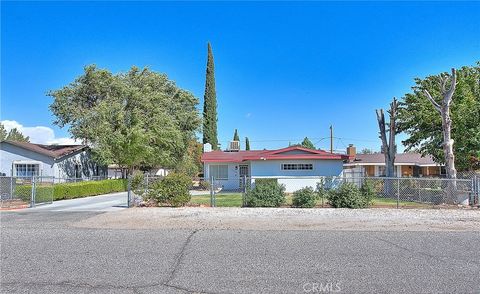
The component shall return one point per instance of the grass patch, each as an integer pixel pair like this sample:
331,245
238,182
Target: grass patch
384,202
222,200
235,200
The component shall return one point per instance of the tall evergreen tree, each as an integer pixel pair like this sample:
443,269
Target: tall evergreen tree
210,104
307,143
235,136
247,144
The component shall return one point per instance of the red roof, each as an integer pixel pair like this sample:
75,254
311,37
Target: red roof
280,154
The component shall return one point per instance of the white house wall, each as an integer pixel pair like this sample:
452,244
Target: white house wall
65,167
233,181
272,168
268,168
11,153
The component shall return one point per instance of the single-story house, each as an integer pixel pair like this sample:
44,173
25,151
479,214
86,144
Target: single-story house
23,159
116,172
406,165
228,168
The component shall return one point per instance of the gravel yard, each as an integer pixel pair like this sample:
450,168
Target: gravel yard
199,218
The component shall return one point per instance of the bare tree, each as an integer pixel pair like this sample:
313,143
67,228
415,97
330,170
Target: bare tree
444,111
389,148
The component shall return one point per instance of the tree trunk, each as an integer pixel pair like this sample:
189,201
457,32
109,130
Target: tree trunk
444,111
389,148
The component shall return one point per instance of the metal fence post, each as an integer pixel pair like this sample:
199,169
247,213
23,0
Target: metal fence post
11,187
129,191
398,192
32,199
244,194
212,193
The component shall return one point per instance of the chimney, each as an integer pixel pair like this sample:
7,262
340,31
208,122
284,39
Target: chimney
351,151
207,147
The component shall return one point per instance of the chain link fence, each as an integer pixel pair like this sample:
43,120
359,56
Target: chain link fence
140,187
388,192
20,192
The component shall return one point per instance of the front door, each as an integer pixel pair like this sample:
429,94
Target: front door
244,172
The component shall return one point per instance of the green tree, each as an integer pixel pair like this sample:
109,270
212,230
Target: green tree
191,163
135,119
366,151
235,136
423,126
247,144
16,135
307,143
3,132
210,104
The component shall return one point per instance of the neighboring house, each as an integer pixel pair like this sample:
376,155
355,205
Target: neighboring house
24,159
406,165
228,168
116,172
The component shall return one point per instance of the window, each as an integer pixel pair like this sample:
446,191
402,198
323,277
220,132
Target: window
382,171
78,171
219,171
26,170
297,166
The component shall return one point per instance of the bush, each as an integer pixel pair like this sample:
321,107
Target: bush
88,188
171,190
347,196
305,198
136,181
266,193
71,190
204,185
368,191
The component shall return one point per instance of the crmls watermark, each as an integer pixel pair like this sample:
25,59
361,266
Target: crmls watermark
328,287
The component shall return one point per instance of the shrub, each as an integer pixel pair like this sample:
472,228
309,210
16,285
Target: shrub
347,196
136,181
204,185
172,190
88,188
266,193
305,198
368,191
72,190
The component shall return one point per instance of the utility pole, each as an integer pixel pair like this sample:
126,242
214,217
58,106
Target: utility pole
331,139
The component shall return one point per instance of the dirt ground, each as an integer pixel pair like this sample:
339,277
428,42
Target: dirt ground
200,218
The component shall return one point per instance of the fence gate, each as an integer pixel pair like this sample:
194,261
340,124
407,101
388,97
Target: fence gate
22,192
475,199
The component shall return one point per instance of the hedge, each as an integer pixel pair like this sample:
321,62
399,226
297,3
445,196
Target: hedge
88,188
73,190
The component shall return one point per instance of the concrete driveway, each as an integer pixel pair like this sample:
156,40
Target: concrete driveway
108,202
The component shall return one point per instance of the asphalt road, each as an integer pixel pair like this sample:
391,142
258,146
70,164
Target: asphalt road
42,253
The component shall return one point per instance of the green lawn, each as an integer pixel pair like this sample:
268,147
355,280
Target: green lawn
235,200
222,200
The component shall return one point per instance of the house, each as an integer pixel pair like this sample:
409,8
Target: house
114,171
406,165
23,159
228,168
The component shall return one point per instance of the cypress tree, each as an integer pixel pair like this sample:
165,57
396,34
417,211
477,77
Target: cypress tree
308,144
210,104
235,136
247,144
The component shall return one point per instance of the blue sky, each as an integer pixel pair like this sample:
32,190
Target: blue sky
283,70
